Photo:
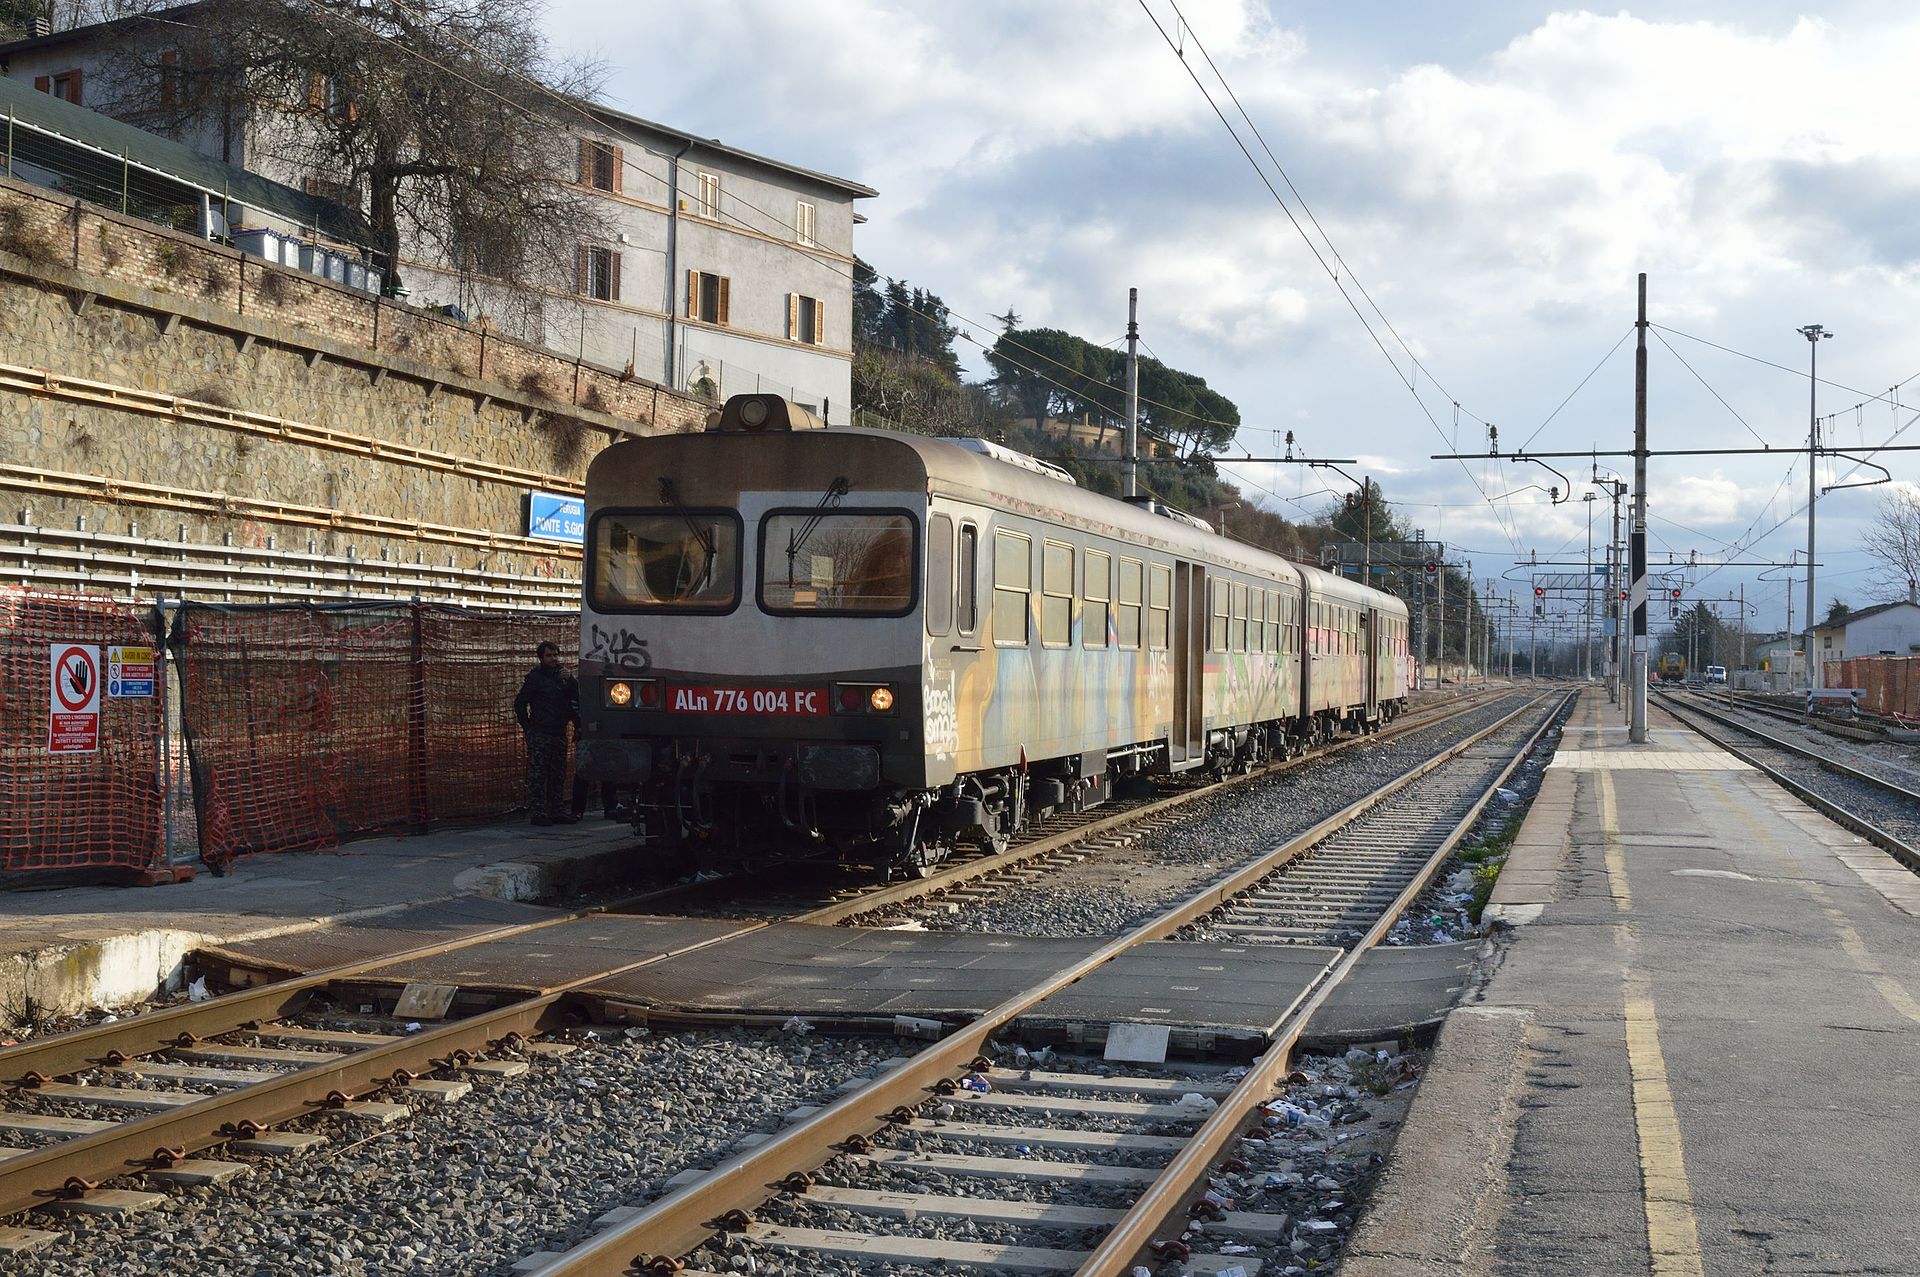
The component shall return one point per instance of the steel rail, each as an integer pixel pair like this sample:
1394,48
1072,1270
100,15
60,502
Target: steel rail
1182,1179
986,866
279,1097
1901,850
681,1222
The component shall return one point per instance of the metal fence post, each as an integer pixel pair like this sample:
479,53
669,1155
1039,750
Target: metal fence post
417,723
126,180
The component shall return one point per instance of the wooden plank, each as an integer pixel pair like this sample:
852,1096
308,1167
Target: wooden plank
1008,1167
188,1073
1065,1104
42,1124
119,1097
1036,1080
1048,1137
324,1037
252,1054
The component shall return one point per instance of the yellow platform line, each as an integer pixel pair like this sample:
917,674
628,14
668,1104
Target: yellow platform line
1673,1231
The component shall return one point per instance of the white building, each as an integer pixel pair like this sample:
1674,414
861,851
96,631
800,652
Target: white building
1886,629
725,271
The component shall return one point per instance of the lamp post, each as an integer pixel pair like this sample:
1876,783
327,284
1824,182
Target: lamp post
1813,333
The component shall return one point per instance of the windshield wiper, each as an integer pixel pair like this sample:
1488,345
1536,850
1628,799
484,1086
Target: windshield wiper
797,539
703,535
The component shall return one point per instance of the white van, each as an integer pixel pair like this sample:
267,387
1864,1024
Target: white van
1716,673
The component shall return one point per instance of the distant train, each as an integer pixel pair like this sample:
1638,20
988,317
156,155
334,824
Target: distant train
878,646
1673,668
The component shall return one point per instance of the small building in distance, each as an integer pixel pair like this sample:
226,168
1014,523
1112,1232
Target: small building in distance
1885,629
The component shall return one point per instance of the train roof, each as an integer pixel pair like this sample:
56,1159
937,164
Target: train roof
951,469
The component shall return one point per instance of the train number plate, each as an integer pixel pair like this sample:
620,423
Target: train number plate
763,701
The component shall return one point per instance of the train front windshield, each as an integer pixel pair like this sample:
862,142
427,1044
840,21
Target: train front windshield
817,562
666,560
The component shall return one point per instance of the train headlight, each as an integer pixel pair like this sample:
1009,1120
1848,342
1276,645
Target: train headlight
880,699
619,695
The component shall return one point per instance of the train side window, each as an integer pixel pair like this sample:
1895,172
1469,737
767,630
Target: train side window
967,580
1133,574
1012,589
939,575
1160,607
1056,594
1274,604
1239,616
1098,592
1218,622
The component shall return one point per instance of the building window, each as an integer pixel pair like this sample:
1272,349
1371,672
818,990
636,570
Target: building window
803,221
709,195
64,85
599,165
707,297
598,274
806,320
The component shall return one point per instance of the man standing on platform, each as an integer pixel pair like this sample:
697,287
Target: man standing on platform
548,702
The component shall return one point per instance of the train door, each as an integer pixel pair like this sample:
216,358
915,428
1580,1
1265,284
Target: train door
1374,647
1188,742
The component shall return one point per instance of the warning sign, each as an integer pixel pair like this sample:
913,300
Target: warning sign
129,671
73,724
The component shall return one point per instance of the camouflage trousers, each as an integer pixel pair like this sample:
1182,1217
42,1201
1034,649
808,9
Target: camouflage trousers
546,774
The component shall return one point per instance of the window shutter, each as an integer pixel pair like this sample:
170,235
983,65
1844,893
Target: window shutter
73,86
819,322
316,91
43,83
580,269
721,318
613,283
793,316
693,294
585,166
619,181
169,76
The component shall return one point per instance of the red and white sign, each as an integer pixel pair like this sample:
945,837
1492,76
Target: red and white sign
764,701
73,723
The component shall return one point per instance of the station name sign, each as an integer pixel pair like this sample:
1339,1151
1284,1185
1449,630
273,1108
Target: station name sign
553,516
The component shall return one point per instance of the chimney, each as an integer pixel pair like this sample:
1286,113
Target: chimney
39,25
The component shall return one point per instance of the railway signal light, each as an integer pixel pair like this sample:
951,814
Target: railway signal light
1431,567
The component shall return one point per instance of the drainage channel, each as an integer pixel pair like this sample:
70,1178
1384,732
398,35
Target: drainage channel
1158,1140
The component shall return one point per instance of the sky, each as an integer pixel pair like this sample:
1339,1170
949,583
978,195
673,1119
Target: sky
1493,176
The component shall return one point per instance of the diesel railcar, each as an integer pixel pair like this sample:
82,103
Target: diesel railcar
879,646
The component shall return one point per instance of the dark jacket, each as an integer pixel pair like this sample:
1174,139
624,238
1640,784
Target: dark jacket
548,701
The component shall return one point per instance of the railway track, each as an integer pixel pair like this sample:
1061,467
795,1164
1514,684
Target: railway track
1882,811
151,1094
882,1126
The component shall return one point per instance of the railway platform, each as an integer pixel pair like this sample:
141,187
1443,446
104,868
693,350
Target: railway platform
67,949
1691,1049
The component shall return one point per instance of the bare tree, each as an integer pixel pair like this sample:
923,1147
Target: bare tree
446,123
1893,543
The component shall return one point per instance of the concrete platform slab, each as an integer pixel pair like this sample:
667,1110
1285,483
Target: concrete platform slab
1394,993
70,949
1687,1063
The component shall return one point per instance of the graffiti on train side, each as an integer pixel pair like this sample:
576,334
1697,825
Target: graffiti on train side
619,647
943,715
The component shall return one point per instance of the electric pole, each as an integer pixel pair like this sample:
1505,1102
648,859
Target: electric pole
1813,333
1133,393
1637,733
